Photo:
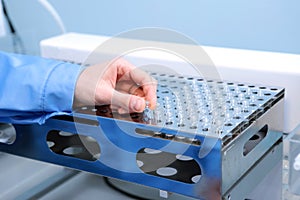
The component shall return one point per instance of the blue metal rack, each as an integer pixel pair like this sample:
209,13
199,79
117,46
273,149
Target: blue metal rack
199,164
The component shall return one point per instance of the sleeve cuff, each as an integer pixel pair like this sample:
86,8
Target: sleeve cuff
59,89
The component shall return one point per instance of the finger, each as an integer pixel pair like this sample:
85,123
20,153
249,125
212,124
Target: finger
149,90
128,72
146,82
130,88
128,102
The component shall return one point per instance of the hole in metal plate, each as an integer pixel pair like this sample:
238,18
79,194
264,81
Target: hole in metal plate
168,165
8,134
255,140
73,145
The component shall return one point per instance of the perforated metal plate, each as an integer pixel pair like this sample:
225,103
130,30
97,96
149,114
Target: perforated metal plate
208,107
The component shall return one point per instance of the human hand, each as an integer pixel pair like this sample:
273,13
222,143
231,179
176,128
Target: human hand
118,83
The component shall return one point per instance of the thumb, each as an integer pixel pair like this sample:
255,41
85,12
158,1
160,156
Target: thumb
128,102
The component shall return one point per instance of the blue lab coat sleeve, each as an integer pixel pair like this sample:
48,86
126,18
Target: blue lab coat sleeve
33,89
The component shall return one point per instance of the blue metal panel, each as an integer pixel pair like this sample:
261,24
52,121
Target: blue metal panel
118,153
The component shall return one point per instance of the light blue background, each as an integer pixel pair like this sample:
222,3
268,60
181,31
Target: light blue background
268,25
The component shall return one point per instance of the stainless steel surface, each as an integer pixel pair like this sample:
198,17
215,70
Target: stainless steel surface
208,107
262,181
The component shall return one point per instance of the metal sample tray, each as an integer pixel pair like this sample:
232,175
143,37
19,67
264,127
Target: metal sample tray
205,136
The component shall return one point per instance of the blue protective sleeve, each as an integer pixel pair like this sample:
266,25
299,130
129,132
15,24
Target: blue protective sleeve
32,89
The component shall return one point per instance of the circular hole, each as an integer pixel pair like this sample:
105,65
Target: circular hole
240,84
165,92
50,144
260,99
151,151
73,150
169,123
229,83
139,163
254,92
181,125
183,158
267,94
181,77
205,129
8,134
251,86
274,89
262,88
162,74
190,78
196,178
193,127
228,124
157,134
171,75
199,79
169,136
236,117
253,104
166,171
194,141
63,133
245,110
